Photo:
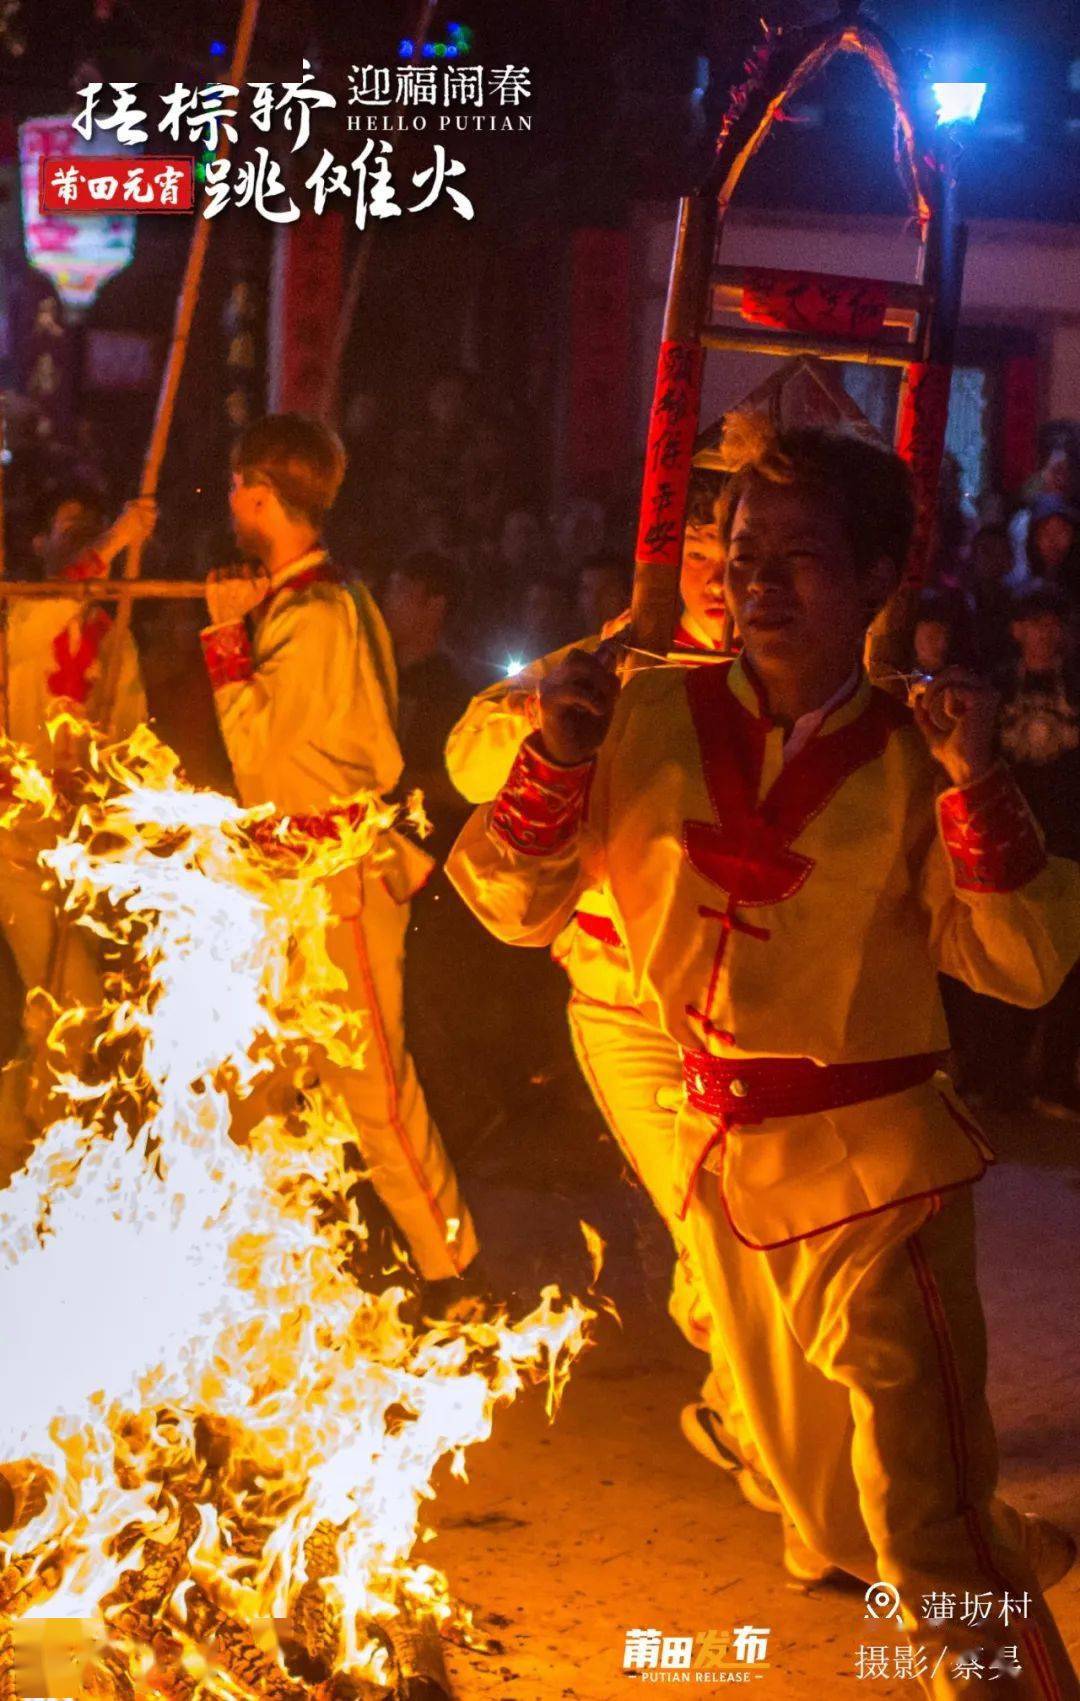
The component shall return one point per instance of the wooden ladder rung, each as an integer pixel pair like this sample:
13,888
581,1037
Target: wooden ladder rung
880,352
912,296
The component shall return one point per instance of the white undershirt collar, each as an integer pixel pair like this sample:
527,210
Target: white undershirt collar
809,724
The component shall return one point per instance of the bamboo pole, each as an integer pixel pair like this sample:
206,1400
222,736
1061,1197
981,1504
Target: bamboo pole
102,590
155,454
170,380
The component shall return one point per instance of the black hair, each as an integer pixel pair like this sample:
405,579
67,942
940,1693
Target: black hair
435,572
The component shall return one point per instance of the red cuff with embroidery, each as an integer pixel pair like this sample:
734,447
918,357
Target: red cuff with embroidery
991,835
88,565
541,805
227,653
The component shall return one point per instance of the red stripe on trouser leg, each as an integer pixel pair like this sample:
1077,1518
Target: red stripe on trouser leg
379,1035
1029,1635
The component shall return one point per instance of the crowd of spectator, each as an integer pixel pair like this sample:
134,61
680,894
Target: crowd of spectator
445,516
1008,605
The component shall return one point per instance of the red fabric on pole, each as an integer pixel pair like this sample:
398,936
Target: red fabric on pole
669,453
823,306
304,301
920,440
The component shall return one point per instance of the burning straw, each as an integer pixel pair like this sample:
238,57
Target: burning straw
223,1445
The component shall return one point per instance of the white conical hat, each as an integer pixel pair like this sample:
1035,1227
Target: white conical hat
803,391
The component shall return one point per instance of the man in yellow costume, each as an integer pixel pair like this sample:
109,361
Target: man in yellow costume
632,1067
57,657
792,857
305,691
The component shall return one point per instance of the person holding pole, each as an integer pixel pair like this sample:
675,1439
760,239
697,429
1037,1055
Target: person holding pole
58,652
632,1067
793,855
305,690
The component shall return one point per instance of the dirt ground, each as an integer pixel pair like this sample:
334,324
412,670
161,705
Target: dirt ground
569,1535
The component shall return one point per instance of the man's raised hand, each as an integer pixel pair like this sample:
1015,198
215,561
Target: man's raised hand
957,715
233,592
577,701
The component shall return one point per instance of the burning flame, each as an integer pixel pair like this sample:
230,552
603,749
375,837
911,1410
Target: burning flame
221,1428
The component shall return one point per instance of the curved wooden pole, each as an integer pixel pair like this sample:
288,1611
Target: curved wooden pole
170,378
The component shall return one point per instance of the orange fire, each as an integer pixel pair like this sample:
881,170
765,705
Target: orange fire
231,1442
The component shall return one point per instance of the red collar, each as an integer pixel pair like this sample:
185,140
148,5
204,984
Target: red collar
747,851
320,573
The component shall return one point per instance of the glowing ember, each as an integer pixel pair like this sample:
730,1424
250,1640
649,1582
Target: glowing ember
233,1431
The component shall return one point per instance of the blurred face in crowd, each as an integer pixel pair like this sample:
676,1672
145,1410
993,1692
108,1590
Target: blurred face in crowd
701,580
579,531
73,527
521,539
544,609
1056,475
446,402
793,585
991,557
414,614
1053,540
1043,641
931,646
601,596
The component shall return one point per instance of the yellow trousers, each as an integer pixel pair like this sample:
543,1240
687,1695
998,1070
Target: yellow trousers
407,1162
635,1075
859,1359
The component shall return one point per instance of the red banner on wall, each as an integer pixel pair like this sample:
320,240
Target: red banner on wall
305,299
598,357
1019,420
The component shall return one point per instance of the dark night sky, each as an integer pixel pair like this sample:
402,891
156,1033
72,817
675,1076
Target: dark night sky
614,83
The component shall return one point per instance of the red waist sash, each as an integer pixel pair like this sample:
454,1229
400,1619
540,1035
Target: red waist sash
740,1090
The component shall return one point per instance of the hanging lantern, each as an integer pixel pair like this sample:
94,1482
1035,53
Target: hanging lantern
77,253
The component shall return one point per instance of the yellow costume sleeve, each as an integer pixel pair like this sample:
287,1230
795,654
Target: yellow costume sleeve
520,863
1005,917
270,706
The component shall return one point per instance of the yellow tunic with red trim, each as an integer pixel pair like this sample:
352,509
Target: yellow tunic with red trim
787,911
306,703
58,651
307,700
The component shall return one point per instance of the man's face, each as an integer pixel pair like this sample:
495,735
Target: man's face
931,645
1053,540
791,581
1042,640
1056,473
73,527
701,580
409,609
250,505
991,557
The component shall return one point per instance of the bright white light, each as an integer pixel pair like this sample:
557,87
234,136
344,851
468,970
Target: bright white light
514,665
958,102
